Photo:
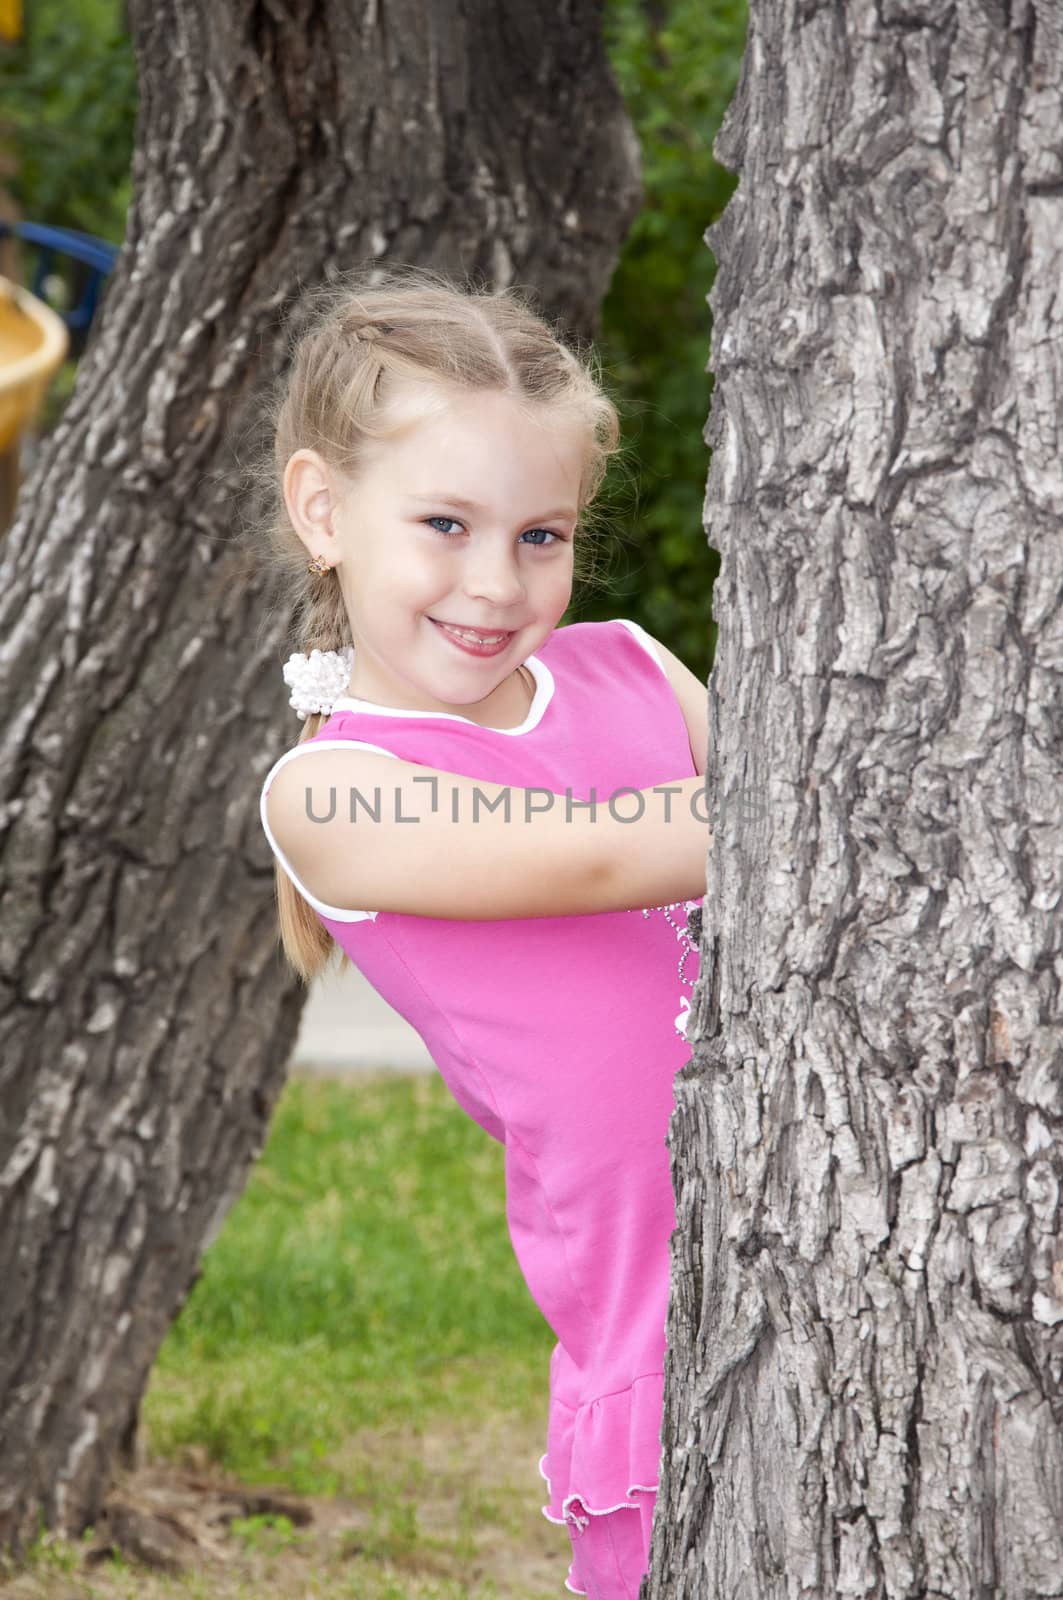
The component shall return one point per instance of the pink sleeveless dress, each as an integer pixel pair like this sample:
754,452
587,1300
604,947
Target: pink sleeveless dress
560,1037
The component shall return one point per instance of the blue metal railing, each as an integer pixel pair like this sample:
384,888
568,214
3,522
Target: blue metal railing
95,254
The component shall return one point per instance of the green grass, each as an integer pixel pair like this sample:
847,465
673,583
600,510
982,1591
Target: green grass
360,1335
364,1281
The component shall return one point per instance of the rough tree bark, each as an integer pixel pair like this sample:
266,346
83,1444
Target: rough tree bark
866,1330
146,1017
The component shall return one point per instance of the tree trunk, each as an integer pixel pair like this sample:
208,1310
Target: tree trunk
864,1390
146,1016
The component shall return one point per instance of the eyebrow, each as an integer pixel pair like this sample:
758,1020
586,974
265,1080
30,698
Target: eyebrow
471,505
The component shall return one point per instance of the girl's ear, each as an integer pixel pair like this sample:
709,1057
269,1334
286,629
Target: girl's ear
310,497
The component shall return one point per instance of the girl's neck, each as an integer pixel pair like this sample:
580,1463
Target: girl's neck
520,687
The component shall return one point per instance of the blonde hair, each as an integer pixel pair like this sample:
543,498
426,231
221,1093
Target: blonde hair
351,344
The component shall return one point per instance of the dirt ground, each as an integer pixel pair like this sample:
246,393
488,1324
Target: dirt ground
474,1529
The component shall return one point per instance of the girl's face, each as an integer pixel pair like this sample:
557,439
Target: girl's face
466,519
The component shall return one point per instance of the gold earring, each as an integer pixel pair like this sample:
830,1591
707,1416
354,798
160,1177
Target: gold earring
319,566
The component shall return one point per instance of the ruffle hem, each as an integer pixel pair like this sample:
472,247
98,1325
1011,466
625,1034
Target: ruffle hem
602,1453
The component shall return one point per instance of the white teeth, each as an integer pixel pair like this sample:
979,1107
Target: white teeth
475,638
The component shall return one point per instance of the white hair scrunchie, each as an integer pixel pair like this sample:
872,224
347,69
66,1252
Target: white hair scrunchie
318,680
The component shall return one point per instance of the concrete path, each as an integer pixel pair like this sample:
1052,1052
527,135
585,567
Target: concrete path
347,1027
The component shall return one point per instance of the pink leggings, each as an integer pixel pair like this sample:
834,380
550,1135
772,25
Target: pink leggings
610,1550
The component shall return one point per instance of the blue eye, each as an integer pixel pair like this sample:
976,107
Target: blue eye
557,538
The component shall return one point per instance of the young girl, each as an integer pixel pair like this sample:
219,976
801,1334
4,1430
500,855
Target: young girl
500,821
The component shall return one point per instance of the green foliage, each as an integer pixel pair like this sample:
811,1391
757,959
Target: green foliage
68,92
676,64
69,97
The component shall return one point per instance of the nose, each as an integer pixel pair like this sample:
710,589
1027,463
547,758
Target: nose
492,575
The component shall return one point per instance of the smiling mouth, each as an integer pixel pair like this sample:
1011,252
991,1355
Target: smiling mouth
474,635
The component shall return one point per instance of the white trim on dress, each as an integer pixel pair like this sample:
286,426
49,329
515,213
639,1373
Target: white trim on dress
645,640
334,913
544,693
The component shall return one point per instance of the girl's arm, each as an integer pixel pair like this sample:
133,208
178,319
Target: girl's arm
693,698
423,844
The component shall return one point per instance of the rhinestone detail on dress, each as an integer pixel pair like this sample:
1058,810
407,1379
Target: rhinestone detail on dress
688,934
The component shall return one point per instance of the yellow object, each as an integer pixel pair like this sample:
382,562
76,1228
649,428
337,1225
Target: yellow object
33,342
11,20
